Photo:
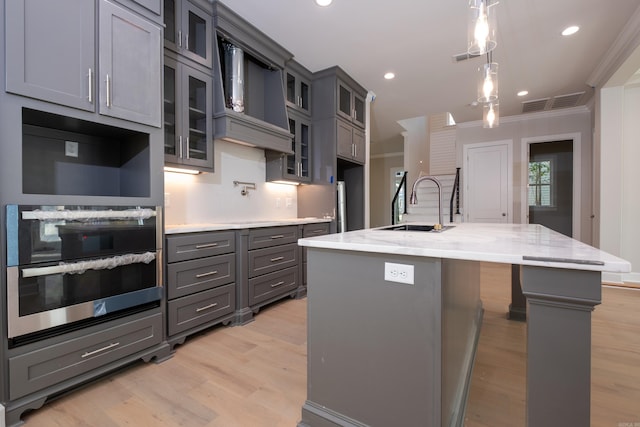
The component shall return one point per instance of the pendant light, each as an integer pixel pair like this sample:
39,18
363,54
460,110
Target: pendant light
490,114
488,81
481,33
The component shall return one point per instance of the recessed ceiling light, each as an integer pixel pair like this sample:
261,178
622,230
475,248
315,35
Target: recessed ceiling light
523,93
570,30
323,2
389,76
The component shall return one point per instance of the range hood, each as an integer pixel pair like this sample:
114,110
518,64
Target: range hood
249,101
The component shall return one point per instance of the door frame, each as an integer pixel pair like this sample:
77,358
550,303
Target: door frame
577,173
465,160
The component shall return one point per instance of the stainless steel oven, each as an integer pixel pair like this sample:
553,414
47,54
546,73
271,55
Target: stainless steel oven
69,264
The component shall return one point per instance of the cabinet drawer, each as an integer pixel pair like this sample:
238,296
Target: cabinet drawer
315,229
271,285
193,310
262,261
48,366
267,237
199,245
188,277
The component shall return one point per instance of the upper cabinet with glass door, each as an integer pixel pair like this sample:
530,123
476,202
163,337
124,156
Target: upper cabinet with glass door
350,104
338,95
188,128
188,29
298,87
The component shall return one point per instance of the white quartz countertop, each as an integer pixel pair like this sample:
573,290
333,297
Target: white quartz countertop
524,244
240,224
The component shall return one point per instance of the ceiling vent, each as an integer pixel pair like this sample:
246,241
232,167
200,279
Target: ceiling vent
565,101
463,57
535,105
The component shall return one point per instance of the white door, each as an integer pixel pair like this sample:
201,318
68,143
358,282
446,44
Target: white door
487,177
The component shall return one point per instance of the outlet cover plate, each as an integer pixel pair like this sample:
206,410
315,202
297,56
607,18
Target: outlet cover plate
399,273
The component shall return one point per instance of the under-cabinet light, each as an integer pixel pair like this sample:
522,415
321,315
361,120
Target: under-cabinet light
180,170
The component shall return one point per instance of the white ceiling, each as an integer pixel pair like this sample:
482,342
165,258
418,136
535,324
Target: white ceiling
416,39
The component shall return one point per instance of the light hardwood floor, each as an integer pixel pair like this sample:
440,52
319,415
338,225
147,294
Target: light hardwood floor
255,375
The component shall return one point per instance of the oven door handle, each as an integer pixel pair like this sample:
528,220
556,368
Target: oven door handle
82,266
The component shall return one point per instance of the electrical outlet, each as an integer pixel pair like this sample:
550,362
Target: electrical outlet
401,273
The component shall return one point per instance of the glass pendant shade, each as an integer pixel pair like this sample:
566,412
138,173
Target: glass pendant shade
481,33
490,115
488,82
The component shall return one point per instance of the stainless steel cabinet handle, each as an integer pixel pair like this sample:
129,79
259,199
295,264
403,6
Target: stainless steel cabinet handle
209,273
206,245
275,285
186,41
188,149
278,236
278,258
108,81
90,78
318,231
355,150
206,307
180,146
100,350
179,38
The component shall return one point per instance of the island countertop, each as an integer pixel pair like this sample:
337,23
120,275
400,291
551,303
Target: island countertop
523,244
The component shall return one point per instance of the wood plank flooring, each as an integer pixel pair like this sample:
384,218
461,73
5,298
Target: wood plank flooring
255,375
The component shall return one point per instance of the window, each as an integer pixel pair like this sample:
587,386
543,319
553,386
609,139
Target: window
540,184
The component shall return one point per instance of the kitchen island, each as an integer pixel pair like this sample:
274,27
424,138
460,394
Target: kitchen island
394,316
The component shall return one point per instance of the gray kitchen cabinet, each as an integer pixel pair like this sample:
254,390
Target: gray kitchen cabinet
125,84
268,268
188,126
249,95
37,34
310,230
130,56
298,87
350,103
39,370
50,365
292,167
201,289
350,142
189,29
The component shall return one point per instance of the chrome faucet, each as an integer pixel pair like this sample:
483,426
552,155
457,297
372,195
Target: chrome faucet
414,198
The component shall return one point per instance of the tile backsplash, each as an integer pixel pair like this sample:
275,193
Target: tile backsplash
213,197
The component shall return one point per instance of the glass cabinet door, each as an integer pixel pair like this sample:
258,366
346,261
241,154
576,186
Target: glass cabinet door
170,140
303,149
344,101
292,165
170,23
188,31
196,143
358,110
298,92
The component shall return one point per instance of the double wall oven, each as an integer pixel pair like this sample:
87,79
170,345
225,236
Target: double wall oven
71,265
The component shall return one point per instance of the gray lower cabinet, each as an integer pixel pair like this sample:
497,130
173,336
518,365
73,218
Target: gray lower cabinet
310,230
124,83
50,365
268,267
201,289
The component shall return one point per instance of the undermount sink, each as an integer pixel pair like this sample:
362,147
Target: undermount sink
415,227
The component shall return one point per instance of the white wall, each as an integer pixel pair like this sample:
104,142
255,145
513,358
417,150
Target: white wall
524,127
212,197
416,147
619,178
